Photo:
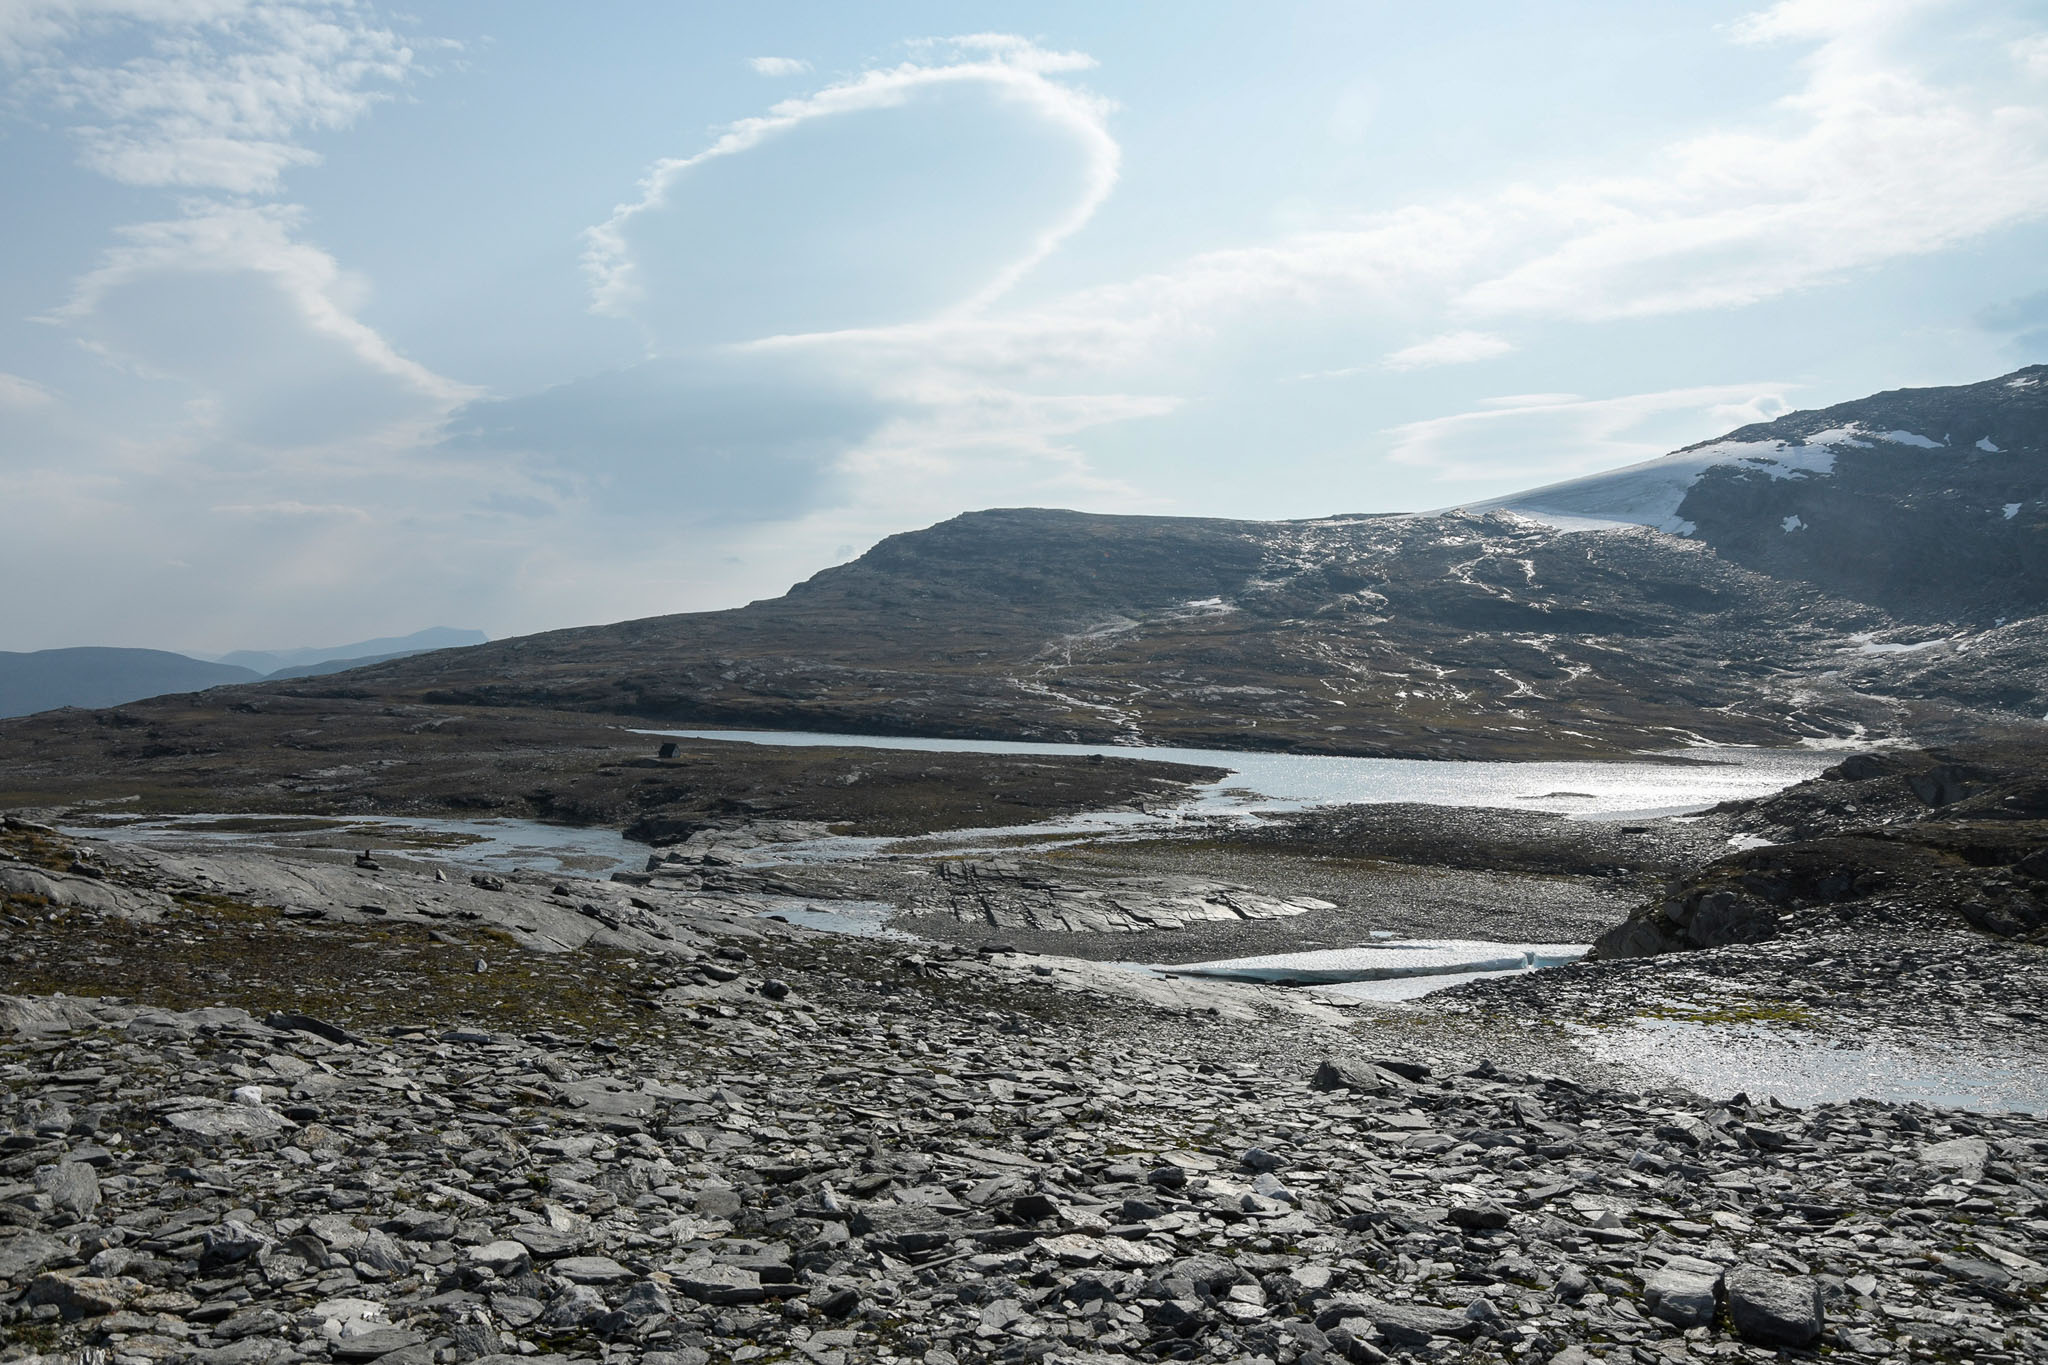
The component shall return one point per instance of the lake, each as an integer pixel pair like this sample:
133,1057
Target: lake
1616,789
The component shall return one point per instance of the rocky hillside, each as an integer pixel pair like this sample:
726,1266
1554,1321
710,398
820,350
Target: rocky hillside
1931,503
1839,573
1927,840
1855,570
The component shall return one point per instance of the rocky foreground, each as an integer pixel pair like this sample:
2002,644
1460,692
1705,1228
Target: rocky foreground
379,1113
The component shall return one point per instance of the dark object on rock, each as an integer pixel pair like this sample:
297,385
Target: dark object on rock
669,750
1861,768
1366,1079
306,1023
486,882
1033,1208
1480,1217
1406,1070
774,988
1943,785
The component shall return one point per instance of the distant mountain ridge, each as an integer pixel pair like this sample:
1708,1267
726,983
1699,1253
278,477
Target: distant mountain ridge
95,677
98,676
1865,570
1871,568
273,662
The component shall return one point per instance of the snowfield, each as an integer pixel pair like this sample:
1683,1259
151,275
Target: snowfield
1650,494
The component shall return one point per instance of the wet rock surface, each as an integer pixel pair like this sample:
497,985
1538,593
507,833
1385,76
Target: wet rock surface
1008,895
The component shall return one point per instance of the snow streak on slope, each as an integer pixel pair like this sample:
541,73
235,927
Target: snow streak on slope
1650,494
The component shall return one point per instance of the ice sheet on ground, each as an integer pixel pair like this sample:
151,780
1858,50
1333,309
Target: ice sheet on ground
1388,961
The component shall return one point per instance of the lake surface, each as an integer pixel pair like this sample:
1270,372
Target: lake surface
499,845
1611,790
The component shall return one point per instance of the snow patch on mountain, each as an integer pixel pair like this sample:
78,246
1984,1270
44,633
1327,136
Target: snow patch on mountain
1988,446
1650,493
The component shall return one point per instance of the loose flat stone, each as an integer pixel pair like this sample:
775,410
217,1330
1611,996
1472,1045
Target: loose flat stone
215,1123
1684,1292
504,1257
1963,1157
84,1295
22,1254
591,1270
546,1243
374,1345
719,1284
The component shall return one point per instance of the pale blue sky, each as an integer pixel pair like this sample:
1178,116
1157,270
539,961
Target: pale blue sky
321,321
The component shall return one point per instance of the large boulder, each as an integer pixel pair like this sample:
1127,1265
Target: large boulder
1771,1309
1684,1292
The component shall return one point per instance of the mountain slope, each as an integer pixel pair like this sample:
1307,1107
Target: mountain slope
1466,634
1931,503
92,677
1441,636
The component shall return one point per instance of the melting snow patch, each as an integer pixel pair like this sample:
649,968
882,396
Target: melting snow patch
1742,843
2012,509
1793,523
1388,961
1864,645
1985,443
1908,438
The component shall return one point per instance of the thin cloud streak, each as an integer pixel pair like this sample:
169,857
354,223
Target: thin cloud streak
1555,436
1452,348
1014,65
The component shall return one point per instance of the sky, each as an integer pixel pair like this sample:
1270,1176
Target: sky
321,321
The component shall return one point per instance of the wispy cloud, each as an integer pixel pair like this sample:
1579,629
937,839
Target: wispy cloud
16,392
2032,54
1874,162
1452,348
1537,438
1871,160
1018,67
779,66
253,240
221,94
292,509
